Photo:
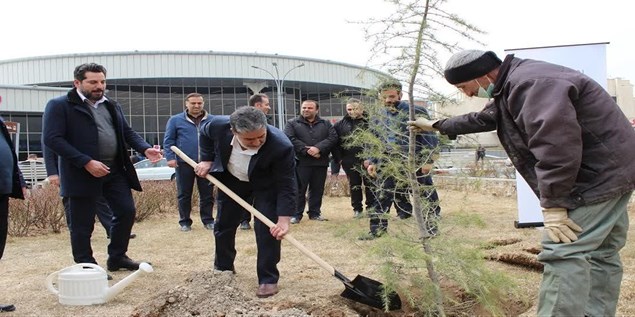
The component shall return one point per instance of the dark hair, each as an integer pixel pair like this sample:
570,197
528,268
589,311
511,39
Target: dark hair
247,119
190,95
390,85
253,100
317,105
80,71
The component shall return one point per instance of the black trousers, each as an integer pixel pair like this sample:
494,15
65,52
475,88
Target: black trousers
388,194
311,178
104,214
185,179
228,217
4,221
356,179
118,196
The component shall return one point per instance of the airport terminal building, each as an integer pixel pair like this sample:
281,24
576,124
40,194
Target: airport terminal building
151,86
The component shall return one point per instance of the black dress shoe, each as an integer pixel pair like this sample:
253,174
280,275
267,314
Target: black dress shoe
122,263
6,308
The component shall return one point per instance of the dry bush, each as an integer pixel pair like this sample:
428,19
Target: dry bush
47,209
41,210
155,196
337,186
19,218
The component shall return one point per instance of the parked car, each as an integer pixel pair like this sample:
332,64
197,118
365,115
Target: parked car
158,171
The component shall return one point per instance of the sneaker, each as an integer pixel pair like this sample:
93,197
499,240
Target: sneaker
357,214
318,218
186,228
210,226
6,307
295,220
245,225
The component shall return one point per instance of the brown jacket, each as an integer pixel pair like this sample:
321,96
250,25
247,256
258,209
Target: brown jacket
562,131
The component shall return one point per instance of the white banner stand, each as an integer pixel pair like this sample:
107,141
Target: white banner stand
529,211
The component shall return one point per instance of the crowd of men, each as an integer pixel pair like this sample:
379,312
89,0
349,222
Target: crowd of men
558,126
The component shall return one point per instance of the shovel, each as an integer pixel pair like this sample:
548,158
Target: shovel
361,289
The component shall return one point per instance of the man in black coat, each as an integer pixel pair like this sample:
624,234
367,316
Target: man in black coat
313,138
348,156
11,185
256,161
89,133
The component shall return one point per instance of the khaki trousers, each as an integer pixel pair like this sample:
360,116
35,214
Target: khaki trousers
583,278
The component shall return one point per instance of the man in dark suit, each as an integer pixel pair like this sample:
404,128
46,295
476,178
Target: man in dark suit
104,214
11,185
89,133
256,161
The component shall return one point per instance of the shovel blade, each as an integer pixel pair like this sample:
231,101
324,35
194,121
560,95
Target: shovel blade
368,291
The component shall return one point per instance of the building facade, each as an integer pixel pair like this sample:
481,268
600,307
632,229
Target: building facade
151,86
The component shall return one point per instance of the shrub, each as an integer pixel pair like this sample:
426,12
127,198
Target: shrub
157,197
42,209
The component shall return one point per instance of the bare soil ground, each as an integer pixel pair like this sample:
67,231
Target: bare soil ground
183,283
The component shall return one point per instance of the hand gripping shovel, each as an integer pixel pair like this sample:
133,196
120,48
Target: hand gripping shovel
361,289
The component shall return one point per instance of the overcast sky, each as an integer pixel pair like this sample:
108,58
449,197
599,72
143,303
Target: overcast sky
315,29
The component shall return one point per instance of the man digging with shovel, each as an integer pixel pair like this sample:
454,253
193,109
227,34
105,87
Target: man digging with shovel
256,161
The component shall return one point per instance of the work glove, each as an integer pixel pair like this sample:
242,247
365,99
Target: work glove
422,124
558,225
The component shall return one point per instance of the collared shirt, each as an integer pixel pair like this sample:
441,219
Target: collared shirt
238,164
90,102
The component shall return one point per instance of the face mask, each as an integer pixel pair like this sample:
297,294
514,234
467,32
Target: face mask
483,93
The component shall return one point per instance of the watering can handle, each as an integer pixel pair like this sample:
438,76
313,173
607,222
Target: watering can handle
49,282
49,279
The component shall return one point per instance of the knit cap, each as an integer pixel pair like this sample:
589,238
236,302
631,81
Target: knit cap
470,64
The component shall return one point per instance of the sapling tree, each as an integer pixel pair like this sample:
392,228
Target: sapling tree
407,44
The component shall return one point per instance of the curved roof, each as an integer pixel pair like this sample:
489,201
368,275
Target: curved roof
160,66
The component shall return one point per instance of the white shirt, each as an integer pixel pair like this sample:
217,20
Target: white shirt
94,105
238,164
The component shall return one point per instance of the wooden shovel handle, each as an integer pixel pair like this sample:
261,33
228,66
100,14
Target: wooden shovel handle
256,213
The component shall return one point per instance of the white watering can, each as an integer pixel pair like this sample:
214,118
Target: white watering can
87,284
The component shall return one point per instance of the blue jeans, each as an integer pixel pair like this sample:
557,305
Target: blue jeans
185,178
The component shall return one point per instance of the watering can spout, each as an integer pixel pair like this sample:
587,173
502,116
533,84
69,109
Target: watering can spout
117,288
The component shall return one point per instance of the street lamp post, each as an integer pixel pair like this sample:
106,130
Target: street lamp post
279,87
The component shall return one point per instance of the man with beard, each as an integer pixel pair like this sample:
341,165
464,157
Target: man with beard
256,161
573,145
348,157
89,133
312,138
392,129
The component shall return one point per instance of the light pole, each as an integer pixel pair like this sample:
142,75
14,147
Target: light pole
279,87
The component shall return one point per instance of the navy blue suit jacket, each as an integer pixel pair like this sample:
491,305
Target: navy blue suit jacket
70,131
271,171
17,181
